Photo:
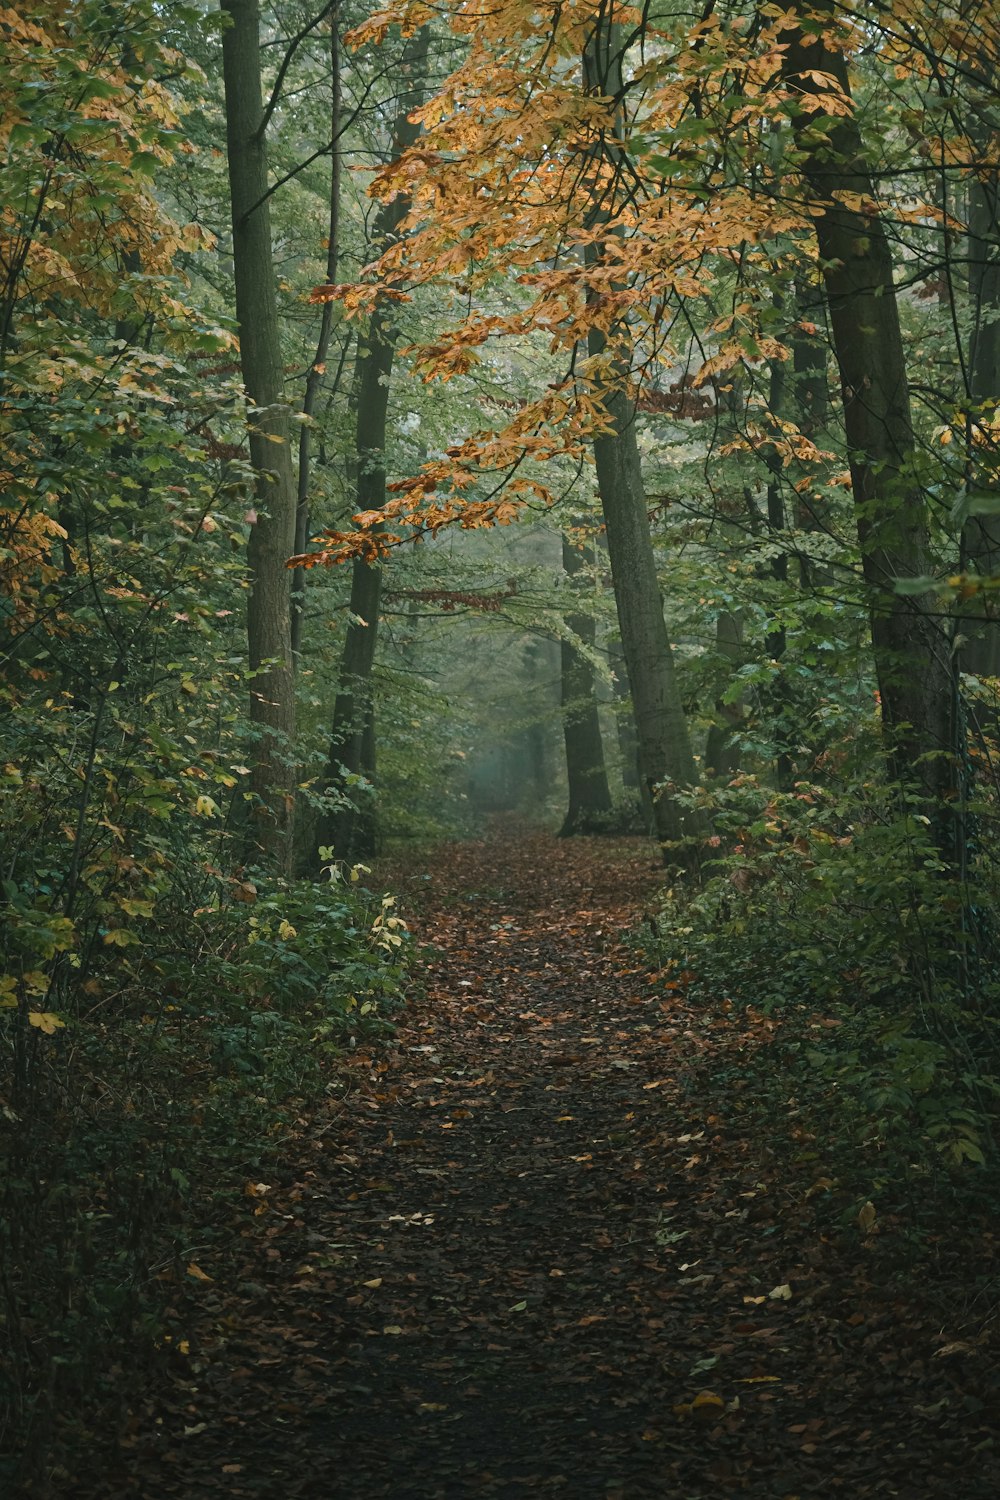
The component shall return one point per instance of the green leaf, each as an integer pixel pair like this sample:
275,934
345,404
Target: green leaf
145,162
118,937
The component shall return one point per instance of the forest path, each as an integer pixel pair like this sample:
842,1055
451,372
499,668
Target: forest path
530,1251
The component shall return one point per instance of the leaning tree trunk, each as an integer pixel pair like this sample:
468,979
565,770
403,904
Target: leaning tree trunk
590,806
272,534
347,826
912,658
665,754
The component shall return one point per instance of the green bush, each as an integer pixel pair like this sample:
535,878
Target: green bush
839,906
136,1101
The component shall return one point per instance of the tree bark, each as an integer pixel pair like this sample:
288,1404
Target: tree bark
912,656
346,826
981,534
272,534
317,370
722,750
665,755
590,806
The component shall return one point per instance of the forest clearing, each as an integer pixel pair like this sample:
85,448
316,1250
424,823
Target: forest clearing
499,748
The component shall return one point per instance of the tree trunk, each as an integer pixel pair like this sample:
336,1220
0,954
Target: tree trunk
590,805
665,755
722,750
346,829
810,352
664,746
777,697
981,534
272,534
628,745
317,370
912,657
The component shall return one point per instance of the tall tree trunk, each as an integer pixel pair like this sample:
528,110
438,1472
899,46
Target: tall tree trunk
981,535
782,710
590,805
810,354
272,535
722,751
912,657
317,370
628,745
347,826
665,754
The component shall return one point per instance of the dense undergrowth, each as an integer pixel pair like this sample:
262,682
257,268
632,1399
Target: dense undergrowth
829,920
142,1088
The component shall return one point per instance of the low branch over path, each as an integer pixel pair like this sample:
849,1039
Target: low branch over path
542,1246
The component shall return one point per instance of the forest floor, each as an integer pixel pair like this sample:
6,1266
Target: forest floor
533,1247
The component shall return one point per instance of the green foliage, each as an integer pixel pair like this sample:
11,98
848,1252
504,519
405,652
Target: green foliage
180,1060
832,911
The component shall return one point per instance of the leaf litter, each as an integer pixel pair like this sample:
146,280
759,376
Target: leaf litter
521,1250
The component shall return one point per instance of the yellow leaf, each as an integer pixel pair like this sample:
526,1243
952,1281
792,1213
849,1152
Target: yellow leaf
706,1406
375,1282
781,1293
197,1273
866,1218
45,1021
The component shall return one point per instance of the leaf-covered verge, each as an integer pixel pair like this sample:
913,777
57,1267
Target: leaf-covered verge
559,1239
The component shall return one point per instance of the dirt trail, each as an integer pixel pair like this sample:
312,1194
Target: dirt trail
518,1255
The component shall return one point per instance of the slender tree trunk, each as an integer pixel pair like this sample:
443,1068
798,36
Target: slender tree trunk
317,370
781,708
272,535
346,828
628,745
810,356
665,754
981,535
912,657
722,752
590,805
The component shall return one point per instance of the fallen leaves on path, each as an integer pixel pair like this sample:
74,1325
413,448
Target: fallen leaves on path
522,1251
